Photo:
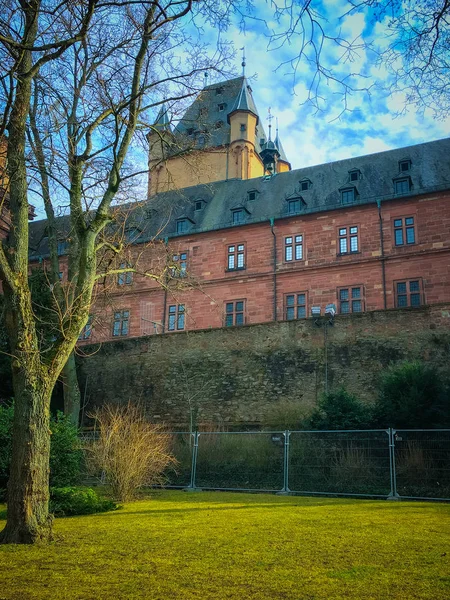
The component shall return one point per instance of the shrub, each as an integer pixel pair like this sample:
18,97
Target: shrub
340,410
412,395
66,454
130,452
68,501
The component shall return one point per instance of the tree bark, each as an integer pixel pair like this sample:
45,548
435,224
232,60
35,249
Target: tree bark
28,519
72,395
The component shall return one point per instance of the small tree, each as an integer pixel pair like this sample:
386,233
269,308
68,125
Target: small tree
340,410
129,451
413,395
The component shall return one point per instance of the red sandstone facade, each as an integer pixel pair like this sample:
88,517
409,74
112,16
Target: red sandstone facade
371,271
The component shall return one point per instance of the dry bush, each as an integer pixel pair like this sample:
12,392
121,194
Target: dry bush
413,463
128,450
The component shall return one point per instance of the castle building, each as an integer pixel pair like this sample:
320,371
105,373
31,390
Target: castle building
233,236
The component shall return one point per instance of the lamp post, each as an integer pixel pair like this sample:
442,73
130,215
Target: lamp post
326,321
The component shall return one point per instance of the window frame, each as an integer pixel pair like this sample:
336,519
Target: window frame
404,228
126,277
234,216
86,332
294,245
405,162
409,292
236,253
181,223
348,236
295,306
305,184
401,180
351,298
178,257
122,320
234,312
178,322
348,190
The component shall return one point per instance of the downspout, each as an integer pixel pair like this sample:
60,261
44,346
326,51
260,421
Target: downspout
383,265
272,223
166,281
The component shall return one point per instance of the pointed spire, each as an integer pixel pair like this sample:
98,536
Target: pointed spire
243,63
205,78
162,120
244,101
269,118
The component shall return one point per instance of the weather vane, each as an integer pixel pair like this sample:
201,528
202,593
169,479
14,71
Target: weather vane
243,61
269,118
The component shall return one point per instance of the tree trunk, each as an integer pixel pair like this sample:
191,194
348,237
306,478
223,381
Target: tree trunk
72,395
28,519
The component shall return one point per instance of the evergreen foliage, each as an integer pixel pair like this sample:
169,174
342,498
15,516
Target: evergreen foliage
413,395
339,410
68,501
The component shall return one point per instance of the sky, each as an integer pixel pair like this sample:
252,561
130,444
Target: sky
373,121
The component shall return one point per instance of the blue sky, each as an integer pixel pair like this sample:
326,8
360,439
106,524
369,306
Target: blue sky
373,122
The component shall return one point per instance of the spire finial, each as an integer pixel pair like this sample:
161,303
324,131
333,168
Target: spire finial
243,63
206,78
276,121
269,118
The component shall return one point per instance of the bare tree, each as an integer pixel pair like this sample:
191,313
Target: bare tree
86,70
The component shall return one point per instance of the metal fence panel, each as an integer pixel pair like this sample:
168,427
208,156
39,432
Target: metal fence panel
241,461
182,448
422,463
340,462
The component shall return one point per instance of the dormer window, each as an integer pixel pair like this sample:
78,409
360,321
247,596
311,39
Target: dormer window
252,195
305,184
354,175
404,166
219,91
243,127
131,234
182,225
190,131
402,186
218,124
348,196
199,204
62,246
238,216
203,111
293,206
221,107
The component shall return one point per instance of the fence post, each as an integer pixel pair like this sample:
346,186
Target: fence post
286,490
393,493
191,485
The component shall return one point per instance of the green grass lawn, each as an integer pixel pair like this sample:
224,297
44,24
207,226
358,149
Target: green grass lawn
178,545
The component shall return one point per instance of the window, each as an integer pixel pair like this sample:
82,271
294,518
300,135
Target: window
190,131
238,216
408,293
236,257
131,234
293,248
62,247
180,265
243,127
348,196
402,186
219,124
221,106
305,185
203,111
234,313
182,225
60,275
404,166
219,91
354,174
125,278
351,300
121,323
87,330
294,206
199,205
348,240
176,317
404,231
252,195
295,306
201,140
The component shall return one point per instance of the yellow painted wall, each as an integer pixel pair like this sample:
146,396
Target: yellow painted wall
282,167
246,119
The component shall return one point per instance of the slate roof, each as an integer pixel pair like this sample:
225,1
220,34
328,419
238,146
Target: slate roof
429,171
206,117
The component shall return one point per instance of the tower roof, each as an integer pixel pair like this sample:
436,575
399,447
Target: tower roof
207,116
162,120
244,100
280,149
